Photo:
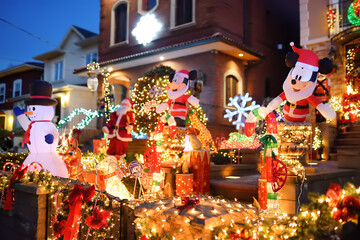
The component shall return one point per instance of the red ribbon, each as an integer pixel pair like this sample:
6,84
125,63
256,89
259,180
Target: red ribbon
76,199
18,174
47,97
188,203
26,138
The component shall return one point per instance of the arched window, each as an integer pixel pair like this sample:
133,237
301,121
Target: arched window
120,13
182,12
146,6
231,87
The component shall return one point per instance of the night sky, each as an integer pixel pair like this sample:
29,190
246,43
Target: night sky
46,23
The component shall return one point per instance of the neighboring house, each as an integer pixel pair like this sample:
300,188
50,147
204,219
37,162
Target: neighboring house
14,88
326,30
238,46
78,48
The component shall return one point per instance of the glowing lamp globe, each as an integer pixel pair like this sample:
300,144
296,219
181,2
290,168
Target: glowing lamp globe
92,82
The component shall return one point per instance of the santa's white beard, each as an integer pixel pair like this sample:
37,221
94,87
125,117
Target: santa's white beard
176,94
293,96
122,110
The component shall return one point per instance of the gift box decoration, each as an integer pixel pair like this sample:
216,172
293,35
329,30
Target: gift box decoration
184,184
99,145
200,167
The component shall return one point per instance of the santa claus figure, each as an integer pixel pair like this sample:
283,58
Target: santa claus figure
299,87
177,104
119,129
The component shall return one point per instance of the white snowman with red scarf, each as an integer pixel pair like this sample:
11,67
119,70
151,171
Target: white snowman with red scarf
177,103
41,135
298,89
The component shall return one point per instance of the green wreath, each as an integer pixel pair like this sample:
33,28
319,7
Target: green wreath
353,19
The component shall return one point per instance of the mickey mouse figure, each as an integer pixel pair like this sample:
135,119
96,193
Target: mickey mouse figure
177,104
299,87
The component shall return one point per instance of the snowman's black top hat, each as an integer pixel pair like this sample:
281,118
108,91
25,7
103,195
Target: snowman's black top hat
40,94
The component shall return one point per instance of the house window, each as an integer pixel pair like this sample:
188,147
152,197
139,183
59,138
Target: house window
2,92
59,70
17,86
121,19
145,6
91,57
231,87
182,12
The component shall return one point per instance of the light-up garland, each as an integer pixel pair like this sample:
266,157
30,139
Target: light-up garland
331,19
354,13
146,29
317,142
94,68
318,219
89,116
351,99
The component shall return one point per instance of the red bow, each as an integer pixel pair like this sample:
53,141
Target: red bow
76,199
236,236
334,194
26,138
18,174
98,219
188,203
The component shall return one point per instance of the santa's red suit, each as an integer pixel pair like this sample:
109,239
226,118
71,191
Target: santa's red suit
177,107
119,131
298,111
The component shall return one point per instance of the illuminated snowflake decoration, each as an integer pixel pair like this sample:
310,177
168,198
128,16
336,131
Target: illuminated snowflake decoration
146,29
241,103
155,92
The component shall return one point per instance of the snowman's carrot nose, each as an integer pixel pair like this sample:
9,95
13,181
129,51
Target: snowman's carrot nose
29,113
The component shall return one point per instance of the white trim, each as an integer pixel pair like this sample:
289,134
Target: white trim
239,86
14,84
172,15
62,70
307,66
143,12
3,85
112,24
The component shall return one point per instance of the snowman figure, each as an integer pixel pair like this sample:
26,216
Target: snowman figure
41,135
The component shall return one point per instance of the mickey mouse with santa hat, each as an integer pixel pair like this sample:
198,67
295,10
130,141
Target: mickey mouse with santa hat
119,128
177,103
298,89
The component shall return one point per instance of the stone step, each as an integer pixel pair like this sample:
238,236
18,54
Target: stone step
348,161
347,135
333,156
347,142
348,150
222,171
243,188
354,128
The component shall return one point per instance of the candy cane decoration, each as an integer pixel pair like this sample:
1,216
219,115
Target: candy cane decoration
275,170
33,164
13,166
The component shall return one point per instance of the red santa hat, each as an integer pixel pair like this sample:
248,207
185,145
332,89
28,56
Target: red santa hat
307,58
126,101
183,72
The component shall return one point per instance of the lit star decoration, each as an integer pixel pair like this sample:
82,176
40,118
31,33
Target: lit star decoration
146,29
242,109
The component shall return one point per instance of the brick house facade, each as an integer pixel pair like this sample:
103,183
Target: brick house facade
239,39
